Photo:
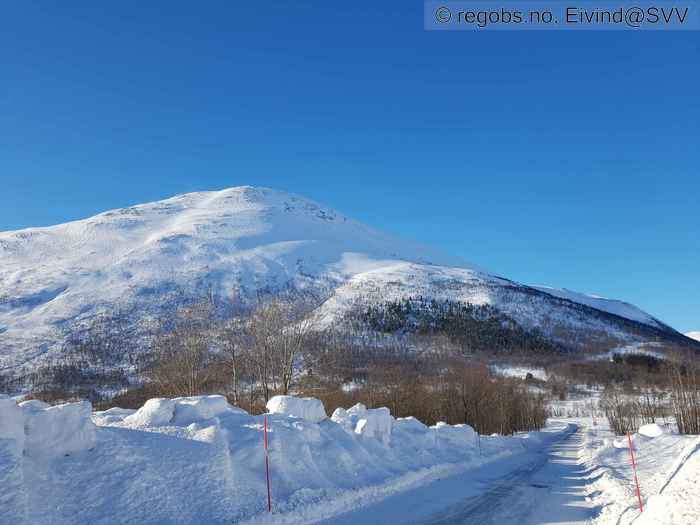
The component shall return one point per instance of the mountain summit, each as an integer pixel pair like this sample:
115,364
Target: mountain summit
235,242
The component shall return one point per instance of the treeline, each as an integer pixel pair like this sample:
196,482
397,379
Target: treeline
433,383
278,347
625,370
654,390
474,328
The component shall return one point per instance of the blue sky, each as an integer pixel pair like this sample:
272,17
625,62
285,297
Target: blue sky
562,158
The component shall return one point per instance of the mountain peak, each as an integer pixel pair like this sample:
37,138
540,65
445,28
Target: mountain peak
232,243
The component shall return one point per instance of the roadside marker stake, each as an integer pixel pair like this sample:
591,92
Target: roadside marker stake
267,466
634,470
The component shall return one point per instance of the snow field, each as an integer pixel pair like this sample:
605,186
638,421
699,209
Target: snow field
200,460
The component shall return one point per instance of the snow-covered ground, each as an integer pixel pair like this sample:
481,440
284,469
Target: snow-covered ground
668,472
200,461
519,371
650,349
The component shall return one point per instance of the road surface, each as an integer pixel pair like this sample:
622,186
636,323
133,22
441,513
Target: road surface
546,489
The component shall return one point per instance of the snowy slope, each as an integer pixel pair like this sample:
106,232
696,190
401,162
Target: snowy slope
240,238
612,306
693,335
231,243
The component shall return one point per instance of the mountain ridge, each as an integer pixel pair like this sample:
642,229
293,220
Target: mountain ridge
235,242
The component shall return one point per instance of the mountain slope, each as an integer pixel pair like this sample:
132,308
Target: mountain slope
234,242
612,306
693,335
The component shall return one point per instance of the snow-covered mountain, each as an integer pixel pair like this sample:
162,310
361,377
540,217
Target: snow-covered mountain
233,242
693,335
612,306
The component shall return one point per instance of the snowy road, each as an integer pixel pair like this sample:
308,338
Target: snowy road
548,488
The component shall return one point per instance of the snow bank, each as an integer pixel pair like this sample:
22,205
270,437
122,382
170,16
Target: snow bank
306,408
203,461
57,430
12,495
156,412
111,415
197,408
180,411
676,503
458,435
415,434
661,458
11,422
374,423
651,430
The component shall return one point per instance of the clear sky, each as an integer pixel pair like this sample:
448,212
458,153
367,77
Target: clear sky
562,158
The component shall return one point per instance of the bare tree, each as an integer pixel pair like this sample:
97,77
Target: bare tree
234,338
278,331
685,395
182,358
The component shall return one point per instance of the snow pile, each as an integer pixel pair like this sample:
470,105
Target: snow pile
374,423
458,435
57,430
155,413
12,496
180,411
414,432
307,408
11,422
652,430
112,415
190,409
32,436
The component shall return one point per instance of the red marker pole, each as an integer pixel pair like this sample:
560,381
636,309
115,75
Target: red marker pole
267,466
634,470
